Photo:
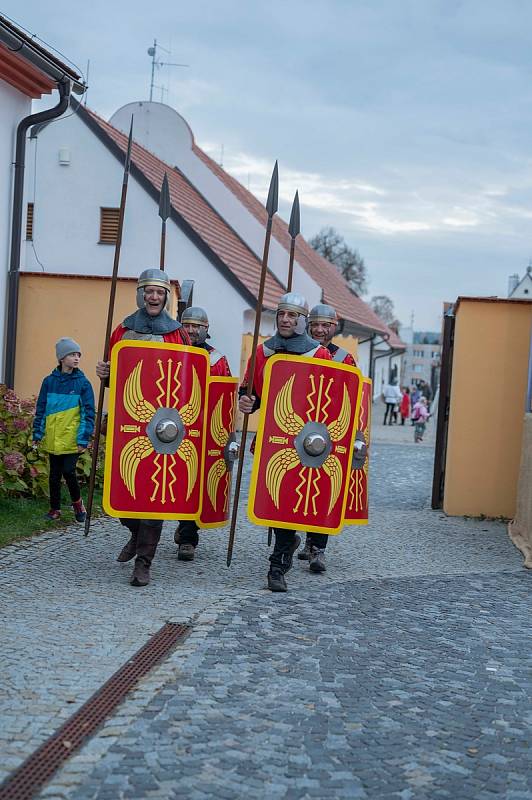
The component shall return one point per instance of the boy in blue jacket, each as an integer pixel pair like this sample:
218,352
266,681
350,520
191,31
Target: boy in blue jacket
63,424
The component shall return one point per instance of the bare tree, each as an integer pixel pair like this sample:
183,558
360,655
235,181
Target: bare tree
383,307
332,246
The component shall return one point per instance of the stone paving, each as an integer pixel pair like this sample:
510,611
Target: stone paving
404,671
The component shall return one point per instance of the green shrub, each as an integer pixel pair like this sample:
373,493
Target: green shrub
24,470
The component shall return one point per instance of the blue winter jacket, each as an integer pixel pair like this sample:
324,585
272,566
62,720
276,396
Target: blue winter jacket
65,412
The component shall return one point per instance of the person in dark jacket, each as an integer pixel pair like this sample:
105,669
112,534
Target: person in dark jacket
64,423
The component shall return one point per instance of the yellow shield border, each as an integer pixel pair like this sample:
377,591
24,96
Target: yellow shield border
220,524
364,520
164,347
260,434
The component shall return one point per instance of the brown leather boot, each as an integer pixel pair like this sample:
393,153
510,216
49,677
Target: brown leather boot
128,551
141,573
186,552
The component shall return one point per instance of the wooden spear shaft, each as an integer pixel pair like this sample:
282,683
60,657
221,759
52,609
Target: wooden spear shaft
272,208
293,228
108,330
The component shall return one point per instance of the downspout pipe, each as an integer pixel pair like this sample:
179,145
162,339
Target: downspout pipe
13,277
384,340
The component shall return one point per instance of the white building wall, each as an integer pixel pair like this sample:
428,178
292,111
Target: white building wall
14,106
163,131
363,354
523,290
380,378
67,201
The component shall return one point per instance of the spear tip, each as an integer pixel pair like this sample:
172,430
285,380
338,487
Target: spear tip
294,226
129,143
164,199
272,203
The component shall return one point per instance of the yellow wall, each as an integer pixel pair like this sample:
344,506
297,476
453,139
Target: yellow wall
349,343
55,306
490,367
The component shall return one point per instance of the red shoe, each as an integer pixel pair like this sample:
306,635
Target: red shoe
80,511
53,514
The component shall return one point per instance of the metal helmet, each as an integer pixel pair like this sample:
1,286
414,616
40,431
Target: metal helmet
292,301
152,277
197,316
322,313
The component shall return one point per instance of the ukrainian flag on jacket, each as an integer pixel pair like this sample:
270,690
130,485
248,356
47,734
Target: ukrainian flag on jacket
64,417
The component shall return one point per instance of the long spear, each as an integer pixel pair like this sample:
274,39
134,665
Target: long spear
164,213
110,312
271,208
294,227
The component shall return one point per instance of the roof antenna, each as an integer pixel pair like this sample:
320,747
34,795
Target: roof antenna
152,51
222,156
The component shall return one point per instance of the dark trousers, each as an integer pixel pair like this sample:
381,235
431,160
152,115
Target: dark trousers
145,534
389,410
282,554
188,532
63,467
318,540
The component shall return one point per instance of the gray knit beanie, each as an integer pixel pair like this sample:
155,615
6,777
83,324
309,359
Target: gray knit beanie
65,346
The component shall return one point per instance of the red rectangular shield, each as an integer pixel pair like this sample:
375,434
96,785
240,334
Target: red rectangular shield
357,511
156,430
217,464
306,402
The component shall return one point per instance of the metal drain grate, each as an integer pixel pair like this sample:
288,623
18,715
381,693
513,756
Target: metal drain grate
38,768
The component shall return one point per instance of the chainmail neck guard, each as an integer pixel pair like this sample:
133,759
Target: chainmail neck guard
298,344
141,322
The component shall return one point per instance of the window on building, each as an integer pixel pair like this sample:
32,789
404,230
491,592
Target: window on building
418,367
419,354
29,222
108,225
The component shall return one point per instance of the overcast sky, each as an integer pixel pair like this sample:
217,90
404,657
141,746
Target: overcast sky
405,124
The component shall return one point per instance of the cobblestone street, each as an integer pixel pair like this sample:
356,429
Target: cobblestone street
404,671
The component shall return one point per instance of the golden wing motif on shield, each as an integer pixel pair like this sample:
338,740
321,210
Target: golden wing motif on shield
134,451
279,464
283,410
339,427
191,410
136,406
333,468
214,476
188,453
218,432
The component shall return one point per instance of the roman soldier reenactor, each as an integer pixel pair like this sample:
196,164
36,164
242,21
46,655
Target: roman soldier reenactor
196,323
152,323
290,338
322,325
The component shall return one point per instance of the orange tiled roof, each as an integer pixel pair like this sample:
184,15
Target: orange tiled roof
336,292
219,238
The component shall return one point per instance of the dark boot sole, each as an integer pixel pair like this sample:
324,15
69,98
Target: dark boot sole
124,557
185,556
137,582
276,587
317,569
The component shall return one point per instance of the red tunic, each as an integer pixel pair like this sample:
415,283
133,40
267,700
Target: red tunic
333,348
220,369
179,336
260,364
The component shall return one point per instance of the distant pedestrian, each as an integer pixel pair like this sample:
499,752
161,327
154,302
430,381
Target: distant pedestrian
391,395
426,391
420,416
405,405
415,394
63,424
